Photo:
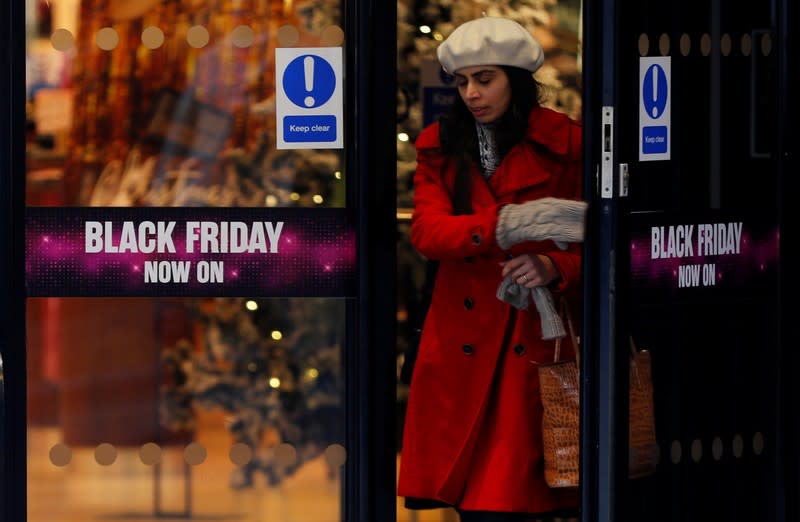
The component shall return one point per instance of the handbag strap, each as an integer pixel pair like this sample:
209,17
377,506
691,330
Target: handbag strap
571,327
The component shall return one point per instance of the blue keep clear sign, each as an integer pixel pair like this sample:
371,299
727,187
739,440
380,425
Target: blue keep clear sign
654,108
308,101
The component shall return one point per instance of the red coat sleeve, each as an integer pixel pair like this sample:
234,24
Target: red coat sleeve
568,262
435,231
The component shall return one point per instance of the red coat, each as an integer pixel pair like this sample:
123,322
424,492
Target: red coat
473,424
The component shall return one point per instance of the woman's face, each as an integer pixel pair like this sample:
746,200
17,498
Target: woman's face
486,91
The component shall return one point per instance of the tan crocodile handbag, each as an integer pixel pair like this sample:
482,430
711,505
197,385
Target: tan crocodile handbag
559,388
559,384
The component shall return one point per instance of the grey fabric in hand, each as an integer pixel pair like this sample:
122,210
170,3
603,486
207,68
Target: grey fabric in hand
552,325
516,295
561,220
519,297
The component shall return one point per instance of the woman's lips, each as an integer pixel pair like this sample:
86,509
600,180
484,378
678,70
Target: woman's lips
478,111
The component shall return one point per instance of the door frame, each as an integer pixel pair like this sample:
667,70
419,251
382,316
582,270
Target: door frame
604,408
12,206
371,394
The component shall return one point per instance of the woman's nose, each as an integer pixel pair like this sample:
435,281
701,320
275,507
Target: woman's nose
472,92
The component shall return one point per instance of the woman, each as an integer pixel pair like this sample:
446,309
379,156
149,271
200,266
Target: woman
472,435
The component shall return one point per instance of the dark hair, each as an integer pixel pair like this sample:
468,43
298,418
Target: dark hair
459,139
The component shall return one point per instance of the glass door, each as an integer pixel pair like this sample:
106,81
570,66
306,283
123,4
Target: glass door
189,260
687,101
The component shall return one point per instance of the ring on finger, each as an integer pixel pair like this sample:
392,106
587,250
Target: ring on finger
525,278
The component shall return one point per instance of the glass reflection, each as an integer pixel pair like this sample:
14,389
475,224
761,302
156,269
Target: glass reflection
170,104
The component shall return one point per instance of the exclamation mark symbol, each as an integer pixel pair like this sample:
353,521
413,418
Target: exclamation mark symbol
655,92
308,66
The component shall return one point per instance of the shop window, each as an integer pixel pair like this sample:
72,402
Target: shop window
227,408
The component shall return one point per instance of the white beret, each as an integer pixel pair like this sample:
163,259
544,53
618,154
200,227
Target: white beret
490,41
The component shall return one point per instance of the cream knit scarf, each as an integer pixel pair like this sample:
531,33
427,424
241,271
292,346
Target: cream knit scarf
487,146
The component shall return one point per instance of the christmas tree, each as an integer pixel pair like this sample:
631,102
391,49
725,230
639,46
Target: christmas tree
274,365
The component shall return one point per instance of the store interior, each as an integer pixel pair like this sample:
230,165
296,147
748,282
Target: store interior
210,408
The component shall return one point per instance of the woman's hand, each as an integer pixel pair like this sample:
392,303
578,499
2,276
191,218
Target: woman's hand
531,270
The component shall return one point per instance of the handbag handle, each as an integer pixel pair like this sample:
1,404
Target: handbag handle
571,327
634,366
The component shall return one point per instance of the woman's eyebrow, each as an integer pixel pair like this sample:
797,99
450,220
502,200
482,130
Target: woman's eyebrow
477,73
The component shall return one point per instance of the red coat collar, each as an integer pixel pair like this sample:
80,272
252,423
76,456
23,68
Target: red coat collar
546,127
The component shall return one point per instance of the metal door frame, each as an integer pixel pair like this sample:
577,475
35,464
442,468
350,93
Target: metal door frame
603,410
371,62
12,202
